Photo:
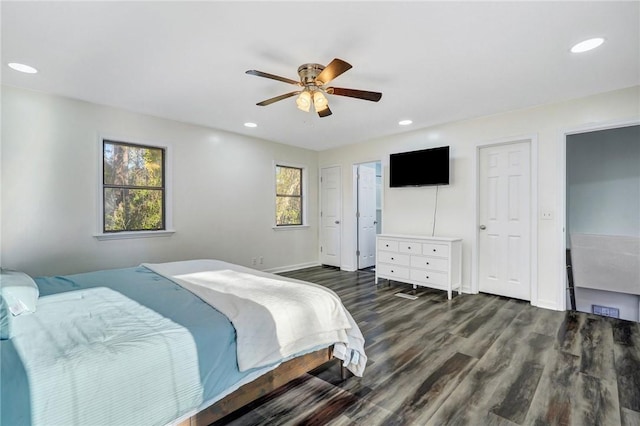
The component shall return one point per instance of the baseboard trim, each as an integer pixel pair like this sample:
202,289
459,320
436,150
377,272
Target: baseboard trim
547,304
290,268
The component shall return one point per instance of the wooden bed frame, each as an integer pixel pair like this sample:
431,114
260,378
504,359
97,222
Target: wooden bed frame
264,384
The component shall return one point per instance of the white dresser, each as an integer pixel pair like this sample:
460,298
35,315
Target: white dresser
426,261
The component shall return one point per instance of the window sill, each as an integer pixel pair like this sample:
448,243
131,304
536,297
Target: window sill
290,227
135,234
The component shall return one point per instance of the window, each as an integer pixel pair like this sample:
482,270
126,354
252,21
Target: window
289,202
133,187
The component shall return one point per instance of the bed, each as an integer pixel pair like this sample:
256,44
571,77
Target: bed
173,343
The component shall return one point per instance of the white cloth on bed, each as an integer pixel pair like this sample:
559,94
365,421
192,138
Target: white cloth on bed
96,357
274,317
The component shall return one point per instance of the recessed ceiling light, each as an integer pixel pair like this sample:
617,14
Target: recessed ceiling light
585,46
250,125
22,68
405,122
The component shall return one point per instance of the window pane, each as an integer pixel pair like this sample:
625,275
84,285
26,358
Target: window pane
288,211
132,165
114,209
288,181
133,209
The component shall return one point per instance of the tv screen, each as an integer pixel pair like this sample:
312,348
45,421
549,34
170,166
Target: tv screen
419,168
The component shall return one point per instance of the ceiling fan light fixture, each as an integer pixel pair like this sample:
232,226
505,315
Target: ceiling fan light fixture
304,101
311,87
320,102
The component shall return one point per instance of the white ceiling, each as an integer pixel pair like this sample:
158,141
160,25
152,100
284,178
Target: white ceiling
434,62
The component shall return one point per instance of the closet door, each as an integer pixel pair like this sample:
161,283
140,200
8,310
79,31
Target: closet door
366,216
330,215
504,258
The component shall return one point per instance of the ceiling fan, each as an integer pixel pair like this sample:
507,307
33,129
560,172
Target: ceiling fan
313,79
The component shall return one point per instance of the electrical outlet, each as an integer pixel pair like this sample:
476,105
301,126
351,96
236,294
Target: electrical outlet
253,261
546,215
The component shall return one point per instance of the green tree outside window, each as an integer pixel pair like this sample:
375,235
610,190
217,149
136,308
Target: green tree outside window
288,196
133,187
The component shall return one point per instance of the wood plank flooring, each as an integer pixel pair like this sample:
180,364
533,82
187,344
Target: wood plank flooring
473,360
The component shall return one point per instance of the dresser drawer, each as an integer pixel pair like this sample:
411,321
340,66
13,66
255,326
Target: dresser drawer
431,263
387,245
394,258
398,272
436,249
430,277
412,247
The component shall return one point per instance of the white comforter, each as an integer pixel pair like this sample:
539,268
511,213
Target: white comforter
274,317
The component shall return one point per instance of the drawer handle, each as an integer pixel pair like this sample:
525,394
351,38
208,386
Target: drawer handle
409,247
386,245
434,249
392,258
427,277
392,271
427,263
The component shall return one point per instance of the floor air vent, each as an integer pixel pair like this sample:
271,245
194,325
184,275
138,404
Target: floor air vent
605,311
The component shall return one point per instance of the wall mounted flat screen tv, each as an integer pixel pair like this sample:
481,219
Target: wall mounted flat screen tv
419,168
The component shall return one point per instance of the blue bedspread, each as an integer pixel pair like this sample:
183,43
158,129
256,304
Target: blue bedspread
214,335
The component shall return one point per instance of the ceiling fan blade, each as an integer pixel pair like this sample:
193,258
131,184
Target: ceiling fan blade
331,71
273,77
354,93
277,98
325,112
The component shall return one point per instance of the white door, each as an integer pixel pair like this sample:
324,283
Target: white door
366,216
504,240
330,210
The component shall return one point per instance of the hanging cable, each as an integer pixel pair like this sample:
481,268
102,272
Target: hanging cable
435,208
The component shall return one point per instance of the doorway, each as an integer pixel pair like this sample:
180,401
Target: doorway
602,207
368,190
504,243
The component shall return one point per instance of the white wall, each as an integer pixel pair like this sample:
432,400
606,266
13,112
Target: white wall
223,191
410,210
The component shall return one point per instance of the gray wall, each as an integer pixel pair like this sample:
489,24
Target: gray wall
603,182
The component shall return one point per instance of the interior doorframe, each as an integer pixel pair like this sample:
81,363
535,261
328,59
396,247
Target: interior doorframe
562,192
532,139
354,188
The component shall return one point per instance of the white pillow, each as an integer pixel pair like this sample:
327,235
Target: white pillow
19,291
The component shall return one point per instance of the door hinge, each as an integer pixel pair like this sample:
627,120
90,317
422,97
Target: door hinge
357,252
320,249
358,215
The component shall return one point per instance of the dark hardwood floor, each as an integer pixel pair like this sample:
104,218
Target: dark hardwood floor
473,360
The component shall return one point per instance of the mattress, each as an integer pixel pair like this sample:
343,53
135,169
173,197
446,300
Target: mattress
202,370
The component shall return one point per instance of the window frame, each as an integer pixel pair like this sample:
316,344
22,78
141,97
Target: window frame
303,195
168,230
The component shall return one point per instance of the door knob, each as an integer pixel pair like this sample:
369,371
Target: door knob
483,227
337,222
